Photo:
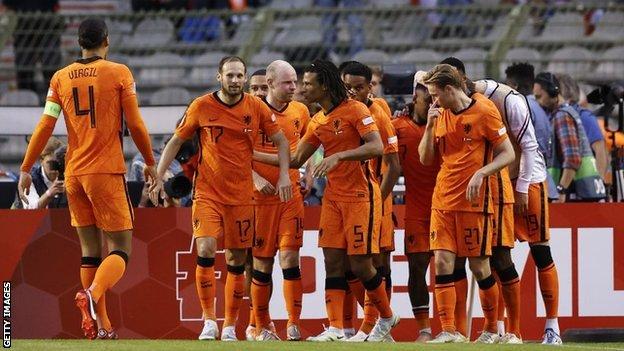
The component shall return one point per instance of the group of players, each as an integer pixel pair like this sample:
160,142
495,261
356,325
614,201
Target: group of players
453,146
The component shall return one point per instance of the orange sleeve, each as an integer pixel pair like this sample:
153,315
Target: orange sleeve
135,123
388,134
190,121
362,120
53,91
268,121
39,139
493,127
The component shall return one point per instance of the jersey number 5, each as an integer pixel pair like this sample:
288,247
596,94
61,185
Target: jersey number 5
91,108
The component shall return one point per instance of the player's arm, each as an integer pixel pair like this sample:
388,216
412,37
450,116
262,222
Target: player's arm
426,148
393,172
504,155
37,143
372,147
284,187
168,155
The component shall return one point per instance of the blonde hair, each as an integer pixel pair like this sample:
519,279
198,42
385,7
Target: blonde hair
569,88
52,145
442,75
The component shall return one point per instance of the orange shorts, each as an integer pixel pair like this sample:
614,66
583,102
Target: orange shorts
387,227
101,200
278,226
353,226
467,234
417,235
234,223
503,226
534,226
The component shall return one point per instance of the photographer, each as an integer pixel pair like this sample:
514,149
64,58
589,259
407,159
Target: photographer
47,189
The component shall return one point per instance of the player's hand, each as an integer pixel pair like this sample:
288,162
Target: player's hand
23,186
284,188
57,187
521,204
156,191
263,185
306,184
434,112
474,186
326,165
150,173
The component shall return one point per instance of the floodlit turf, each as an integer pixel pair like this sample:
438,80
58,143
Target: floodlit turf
187,345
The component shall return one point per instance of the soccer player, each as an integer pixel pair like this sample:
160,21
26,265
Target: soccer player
419,184
279,225
351,210
386,170
228,122
93,93
258,84
472,141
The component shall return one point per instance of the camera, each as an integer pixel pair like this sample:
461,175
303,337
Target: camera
58,163
188,149
178,186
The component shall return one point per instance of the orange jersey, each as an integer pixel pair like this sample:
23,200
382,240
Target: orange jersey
465,141
419,179
500,183
293,120
227,134
388,137
340,130
91,93
381,102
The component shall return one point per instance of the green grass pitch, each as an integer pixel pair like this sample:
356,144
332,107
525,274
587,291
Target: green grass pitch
189,345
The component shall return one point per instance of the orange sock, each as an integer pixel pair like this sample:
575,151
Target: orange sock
108,273
501,302
348,309
488,294
370,315
549,285
87,273
234,292
356,287
205,284
445,295
511,295
252,314
261,295
376,291
293,294
461,296
421,314
335,290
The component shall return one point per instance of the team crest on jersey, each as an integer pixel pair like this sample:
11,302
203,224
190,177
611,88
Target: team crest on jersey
336,125
432,235
297,124
259,242
410,239
196,223
467,128
247,119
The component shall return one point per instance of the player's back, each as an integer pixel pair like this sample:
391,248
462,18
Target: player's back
90,92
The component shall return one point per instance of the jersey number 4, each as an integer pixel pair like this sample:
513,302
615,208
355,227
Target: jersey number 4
91,108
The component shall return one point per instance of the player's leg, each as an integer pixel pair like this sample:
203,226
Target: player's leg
293,291
444,246
461,295
250,331
418,263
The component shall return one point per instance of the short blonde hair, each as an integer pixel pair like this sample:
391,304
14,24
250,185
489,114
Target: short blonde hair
442,75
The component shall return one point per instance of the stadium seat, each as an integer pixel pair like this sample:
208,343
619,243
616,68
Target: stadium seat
424,59
205,67
118,32
400,29
563,26
474,60
573,60
170,96
610,26
162,69
264,57
152,32
612,65
522,54
391,3
294,4
299,31
372,57
20,97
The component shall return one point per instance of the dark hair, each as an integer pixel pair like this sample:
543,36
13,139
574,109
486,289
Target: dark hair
358,69
327,76
343,65
260,72
444,74
227,59
455,62
549,82
92,33
523,75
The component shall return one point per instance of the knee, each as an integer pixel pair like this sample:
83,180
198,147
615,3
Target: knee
362,267
236,257
264,265
541,255
480,268
289,259
334,265
501,259
444,264
205,247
